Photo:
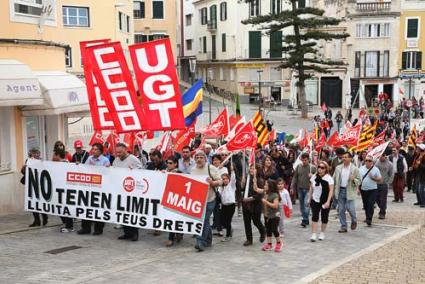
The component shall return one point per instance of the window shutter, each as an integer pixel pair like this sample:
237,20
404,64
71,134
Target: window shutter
223,42
276,44
404,60
254,44
419,60
158,9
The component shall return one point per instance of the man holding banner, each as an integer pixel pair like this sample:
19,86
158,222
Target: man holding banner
125,160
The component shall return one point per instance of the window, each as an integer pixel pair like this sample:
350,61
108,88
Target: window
254,44
221,74
254,8
204,16
128,23
189,44
275,74
223,42
302,4
158,9
200,49
120,20
412,28
411,60
75,16
189,20
204,44
357,62
386,64
212,24
5,143
373,30
371,63
232,74
276,44
275,6
68,57
145,38
139,9
223,11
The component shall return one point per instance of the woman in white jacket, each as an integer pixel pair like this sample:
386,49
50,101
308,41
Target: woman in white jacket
228,200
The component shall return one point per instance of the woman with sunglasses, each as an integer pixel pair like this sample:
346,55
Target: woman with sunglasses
320,198
172,167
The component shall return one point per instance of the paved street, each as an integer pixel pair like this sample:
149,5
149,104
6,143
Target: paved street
25,258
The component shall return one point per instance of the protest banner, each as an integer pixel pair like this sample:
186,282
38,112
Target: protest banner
107,61
99,112
138,198
156,77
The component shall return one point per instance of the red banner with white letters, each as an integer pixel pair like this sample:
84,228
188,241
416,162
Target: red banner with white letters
156,76
99,112
116,86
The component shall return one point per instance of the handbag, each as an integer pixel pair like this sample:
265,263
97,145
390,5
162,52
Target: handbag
287,211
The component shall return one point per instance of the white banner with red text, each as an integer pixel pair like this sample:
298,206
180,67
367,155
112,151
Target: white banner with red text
138,198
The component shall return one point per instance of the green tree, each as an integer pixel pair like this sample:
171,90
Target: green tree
302,46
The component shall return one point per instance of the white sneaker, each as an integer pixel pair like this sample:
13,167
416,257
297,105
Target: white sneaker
321,236
66,230
118,227
313,237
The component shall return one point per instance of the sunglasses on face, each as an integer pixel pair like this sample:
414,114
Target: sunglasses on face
321,167
170,163
368,160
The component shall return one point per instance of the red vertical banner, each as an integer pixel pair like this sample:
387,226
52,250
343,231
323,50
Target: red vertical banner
116,86
156,76
99,112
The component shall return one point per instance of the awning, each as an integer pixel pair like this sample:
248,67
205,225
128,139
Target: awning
18,84
62,93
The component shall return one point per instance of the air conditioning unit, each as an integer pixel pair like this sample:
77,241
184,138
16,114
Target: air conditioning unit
412,43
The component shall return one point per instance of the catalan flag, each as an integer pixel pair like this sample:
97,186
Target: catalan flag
261,128
192,103
366,137
412,137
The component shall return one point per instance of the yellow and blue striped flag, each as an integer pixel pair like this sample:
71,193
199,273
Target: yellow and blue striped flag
192,103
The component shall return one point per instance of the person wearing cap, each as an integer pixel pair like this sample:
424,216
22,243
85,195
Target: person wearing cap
400,170
370,176
387,173
209,152
80,156
214,180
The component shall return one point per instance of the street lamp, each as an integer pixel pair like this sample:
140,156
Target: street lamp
260,103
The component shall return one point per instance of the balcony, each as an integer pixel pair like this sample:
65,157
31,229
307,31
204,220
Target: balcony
212,25
373,7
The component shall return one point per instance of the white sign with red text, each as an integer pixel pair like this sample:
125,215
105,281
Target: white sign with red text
138,198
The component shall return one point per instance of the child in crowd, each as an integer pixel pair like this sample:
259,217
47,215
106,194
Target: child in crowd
271,208
228,201
285,201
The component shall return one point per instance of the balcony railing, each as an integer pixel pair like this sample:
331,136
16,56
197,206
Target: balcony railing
212,25
373,6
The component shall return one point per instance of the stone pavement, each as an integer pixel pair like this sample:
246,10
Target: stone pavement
24,257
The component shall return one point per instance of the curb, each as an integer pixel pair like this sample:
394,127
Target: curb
313,276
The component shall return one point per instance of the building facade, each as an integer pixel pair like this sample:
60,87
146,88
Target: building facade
373,48
156,19
412,48
39,90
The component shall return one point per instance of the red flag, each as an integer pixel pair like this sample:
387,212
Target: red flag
156,76
219,127
112,139
322,142
116,86
235,127
304,140
420,139
183,138
380,138
350,137
149,134
245,138
324,107
272,136
99,112
333,139
97,138
129,139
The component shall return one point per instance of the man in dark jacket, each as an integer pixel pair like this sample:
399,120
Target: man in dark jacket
80,156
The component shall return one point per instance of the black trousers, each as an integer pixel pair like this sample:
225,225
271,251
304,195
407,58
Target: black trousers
272,227
37,217
86,226
409,180
252,212
68,222
316,209
369,199
227,212
217,215
172,236
130,231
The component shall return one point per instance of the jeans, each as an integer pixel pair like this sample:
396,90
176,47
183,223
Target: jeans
381,200
343,205
369,201
206,238
304,206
